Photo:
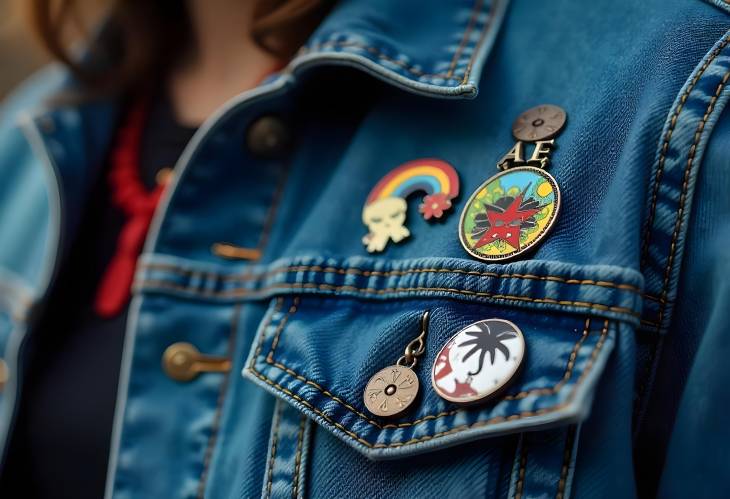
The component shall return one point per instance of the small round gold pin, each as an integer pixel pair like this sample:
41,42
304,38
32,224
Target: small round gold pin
392,390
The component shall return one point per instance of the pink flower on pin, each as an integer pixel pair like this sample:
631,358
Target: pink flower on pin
434,205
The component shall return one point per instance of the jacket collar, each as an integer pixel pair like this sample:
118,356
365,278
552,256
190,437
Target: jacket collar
429,47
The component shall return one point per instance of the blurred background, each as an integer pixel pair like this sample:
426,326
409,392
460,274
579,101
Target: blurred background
20,55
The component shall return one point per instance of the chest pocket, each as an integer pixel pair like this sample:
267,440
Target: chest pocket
332,324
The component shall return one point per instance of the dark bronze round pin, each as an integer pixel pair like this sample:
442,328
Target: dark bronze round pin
539,123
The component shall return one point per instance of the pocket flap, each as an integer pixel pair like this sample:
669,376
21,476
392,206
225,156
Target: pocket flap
318,353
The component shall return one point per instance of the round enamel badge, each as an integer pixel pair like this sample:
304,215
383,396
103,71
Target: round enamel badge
509,213
478,361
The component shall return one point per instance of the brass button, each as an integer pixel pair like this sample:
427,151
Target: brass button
268,137
164,176
4,374
183,362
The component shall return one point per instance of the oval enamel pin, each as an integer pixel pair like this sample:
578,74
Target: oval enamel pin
514,210
509,213
479,361
384,212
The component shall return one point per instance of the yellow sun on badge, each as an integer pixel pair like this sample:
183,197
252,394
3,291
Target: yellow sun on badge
544,189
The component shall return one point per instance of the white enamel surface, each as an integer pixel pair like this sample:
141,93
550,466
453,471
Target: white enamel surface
456,375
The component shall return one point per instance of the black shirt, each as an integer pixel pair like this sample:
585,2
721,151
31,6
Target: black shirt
60,443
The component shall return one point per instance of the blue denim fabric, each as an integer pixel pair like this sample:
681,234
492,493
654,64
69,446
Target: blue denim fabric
621,306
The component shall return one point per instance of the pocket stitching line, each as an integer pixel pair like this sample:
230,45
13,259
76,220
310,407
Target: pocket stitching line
259,347
280,327
588,368
457,429
523,394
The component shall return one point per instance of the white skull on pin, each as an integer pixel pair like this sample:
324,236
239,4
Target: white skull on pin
385,219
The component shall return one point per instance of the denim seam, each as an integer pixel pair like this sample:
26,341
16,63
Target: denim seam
377,53
326,393
237,293
277,309
519,487
292,310
567,457
651,297
389,273
272,456
465,39
457,429
537,391
650,323
219,408
663,298
298,458
665,146
412,69
685,186
721,4
482,37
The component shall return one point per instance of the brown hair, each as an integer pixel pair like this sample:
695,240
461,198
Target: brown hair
145,35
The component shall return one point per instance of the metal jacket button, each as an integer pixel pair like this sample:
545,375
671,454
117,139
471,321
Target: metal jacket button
183,362
268,137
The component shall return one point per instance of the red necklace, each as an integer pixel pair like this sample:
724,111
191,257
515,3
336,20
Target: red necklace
138,205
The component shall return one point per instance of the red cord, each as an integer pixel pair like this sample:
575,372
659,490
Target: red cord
138,205
129,194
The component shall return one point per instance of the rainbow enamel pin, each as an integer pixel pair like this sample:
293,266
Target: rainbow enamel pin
385,210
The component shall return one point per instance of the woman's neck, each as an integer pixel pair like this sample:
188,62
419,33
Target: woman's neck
223,62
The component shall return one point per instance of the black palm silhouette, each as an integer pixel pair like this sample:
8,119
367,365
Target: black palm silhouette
488,340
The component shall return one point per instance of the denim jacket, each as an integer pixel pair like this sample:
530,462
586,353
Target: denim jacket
623,305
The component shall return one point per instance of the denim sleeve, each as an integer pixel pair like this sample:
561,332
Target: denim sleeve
699,344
